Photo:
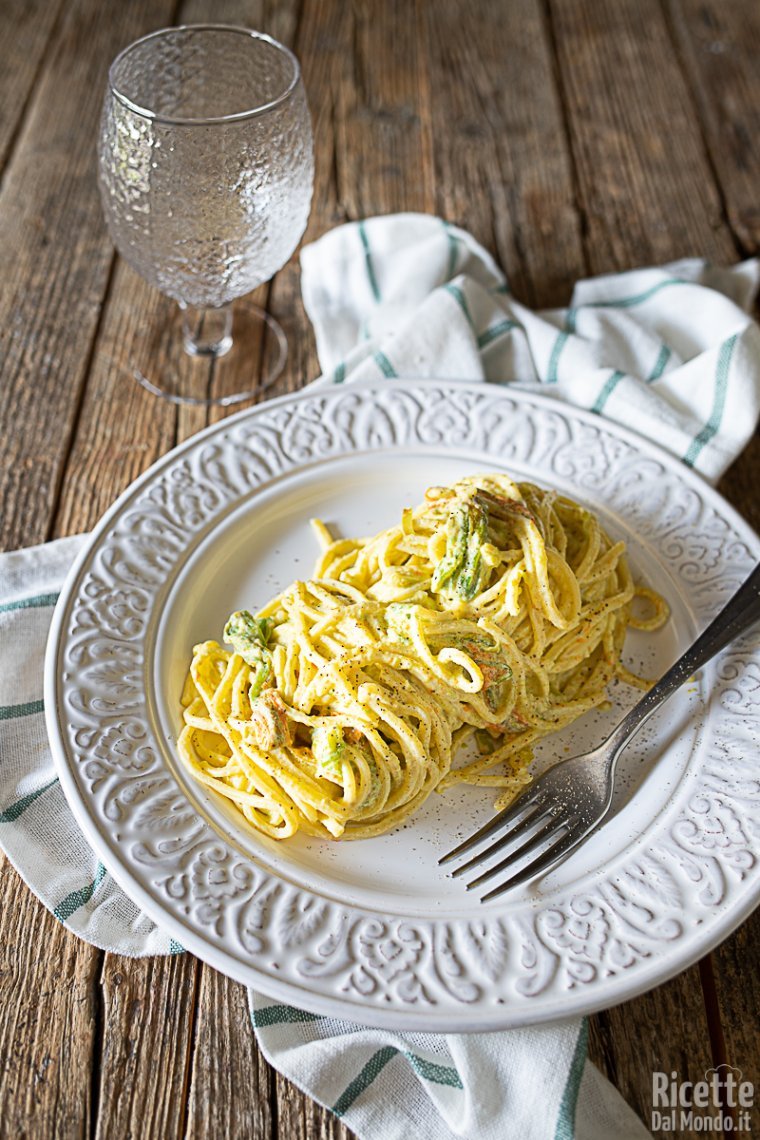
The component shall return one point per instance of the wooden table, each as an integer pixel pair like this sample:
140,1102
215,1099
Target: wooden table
570,137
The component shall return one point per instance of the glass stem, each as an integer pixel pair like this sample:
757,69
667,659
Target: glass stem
207,332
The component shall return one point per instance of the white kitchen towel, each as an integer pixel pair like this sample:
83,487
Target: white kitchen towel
38,833
671,352
531,1084
410,295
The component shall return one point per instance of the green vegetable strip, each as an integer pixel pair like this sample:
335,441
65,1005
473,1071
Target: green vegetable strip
248,636
328,746
461,568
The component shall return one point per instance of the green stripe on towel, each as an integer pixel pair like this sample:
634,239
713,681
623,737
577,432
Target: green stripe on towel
368,1074
432,1071
428,1070
385,366
281,1015
461,300
77,899
637,298
368,262
11,814
40,601
565,1129
609,387
659,364
453,251
29,708
559,344
719,401
496,331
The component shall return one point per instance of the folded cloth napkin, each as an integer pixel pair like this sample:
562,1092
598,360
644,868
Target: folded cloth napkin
669,351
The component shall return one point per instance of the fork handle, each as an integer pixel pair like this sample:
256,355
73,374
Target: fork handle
741,612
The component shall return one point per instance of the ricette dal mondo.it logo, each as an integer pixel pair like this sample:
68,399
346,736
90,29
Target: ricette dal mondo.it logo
720,1104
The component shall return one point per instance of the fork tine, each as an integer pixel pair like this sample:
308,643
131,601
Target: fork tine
524,825
543,863
533,844
503,819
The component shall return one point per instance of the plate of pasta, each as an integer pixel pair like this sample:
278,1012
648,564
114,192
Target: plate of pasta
317,645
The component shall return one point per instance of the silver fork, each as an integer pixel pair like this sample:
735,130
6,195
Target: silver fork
570,800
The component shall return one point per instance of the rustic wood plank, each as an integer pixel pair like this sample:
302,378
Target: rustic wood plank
382,106
121,428
502,158
644,182
27,29
300,1118
278,20
719,45
48,1013
235,1097
148,1010
57,258
736,972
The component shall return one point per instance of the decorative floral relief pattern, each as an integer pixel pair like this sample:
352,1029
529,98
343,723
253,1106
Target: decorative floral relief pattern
701,856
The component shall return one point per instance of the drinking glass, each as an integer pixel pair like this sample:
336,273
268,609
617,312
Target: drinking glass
206,173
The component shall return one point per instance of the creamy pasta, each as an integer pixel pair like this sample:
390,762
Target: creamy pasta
435,653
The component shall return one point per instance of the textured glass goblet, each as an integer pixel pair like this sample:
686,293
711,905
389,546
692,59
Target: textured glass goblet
206,173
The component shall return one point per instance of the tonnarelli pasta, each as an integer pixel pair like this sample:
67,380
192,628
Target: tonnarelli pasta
492,615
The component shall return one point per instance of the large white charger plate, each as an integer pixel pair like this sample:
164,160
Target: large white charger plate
375,931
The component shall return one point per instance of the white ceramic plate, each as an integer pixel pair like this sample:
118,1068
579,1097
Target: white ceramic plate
374,930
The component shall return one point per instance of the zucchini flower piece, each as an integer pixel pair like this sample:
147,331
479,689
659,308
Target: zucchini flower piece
461,570
248,636
270,726
328,746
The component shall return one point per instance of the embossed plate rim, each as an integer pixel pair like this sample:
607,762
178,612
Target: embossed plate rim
458,1015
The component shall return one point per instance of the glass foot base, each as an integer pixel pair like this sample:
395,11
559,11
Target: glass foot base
247,365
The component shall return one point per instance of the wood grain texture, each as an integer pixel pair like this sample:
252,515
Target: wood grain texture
719,44
148,1009
27,29
57,259
300,1118
121,429
736,968
502,158
645,185
48,1043
231,1089
382,107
